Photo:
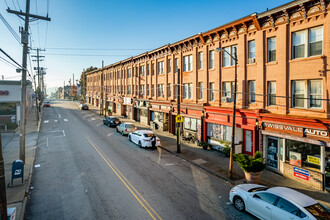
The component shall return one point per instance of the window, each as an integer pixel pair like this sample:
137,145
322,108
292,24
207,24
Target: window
148,69
148,90
212,91
200,90
160,90
271,44
307,93
142,90
211,61
227,88
187,63
190,88
200,60
142,70
313,36
169,66
252,91
190,123
289,207
153,69
176,65
160,67
169,90
227,60
129,73
118,74
267,197
137,90
219,132
271,93
185,91
152,90
252,51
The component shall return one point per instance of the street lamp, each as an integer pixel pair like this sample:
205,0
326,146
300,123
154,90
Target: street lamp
234,110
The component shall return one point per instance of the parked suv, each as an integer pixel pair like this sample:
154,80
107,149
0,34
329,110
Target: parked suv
111,121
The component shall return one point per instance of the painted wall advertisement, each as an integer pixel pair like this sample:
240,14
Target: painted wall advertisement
295,159
300,173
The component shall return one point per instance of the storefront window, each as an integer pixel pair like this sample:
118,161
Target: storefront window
220,132
190,123
302,154
8,109
159,116
144,113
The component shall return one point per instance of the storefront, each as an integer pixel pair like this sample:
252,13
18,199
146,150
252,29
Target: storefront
128,107
192,126
298,148
110,105
119,108
141,111
218,125
159,115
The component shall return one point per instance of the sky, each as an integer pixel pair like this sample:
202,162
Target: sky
82,33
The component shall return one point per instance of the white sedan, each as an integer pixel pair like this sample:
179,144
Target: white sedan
143,138
276,203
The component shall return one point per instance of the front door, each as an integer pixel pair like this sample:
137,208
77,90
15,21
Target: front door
248,142
272,156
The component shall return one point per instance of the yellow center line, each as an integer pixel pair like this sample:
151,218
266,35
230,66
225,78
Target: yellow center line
128,185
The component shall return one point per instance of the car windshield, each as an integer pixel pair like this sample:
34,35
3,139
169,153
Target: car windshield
257,189
129,126
319,211
148,135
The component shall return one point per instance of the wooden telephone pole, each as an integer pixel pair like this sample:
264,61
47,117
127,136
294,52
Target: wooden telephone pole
25,42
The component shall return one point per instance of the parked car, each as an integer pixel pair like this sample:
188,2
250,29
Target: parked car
126,128
111,121
276,203
83,107
143,138
46,104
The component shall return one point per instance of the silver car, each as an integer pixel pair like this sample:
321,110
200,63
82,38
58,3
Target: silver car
126,128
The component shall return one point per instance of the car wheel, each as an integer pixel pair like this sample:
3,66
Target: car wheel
129,138
109,125
239,203
140,145
117,130
122,133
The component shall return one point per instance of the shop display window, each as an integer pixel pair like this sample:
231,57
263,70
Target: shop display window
190,123
303,154
8,109
219,132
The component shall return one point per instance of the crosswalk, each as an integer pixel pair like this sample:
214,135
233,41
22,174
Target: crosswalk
55,121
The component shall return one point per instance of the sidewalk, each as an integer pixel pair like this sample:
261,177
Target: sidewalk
217,164
17,194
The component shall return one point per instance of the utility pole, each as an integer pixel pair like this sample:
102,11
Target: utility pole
64,90
38,69
178,150
73,95
24,41
35,88
3,196
101,90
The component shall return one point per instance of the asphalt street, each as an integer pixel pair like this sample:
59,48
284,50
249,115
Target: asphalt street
85,170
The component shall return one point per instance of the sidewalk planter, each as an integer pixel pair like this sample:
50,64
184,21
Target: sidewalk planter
204,145
252,166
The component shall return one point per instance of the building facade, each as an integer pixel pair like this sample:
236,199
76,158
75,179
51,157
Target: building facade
283,106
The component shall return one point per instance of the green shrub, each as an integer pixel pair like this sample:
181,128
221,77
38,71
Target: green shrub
249,163
204,144
226,151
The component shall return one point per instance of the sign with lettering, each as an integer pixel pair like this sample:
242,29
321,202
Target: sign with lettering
295,158
300,131
300,173
313,160
178,119
4,92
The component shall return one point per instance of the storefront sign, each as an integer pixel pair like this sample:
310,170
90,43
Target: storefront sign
4,92
300,173
313,160
295,159
297,130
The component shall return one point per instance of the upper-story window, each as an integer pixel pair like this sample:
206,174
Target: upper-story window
252,91
160,90
211,91
227,94
227,60
187,63
153,69
142,90
307,93
148,89
152,90
160,67
128,89
271,93
307,43
252,51
142,70
271,49
200,60
200,90
118,76
169,90
176,65
148,69
211,60
129,73
169,66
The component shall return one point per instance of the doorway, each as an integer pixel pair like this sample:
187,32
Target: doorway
272,153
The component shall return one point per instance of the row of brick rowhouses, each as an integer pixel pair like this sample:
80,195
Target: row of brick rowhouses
282,88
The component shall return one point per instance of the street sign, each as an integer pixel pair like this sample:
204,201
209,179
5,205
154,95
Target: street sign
178,119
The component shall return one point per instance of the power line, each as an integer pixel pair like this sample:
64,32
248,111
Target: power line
11,30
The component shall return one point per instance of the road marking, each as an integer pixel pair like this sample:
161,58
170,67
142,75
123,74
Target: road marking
47,142
99,124
46,121
55,120
65,119
128,185
59,115
169,164
63,133
111,134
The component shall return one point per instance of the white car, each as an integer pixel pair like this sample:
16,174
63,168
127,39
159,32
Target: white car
126,128
276,203
143,138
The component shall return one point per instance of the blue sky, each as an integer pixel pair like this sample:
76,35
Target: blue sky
111,30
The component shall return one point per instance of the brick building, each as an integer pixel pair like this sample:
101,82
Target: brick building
283,106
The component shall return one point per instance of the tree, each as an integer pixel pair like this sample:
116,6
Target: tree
83,81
